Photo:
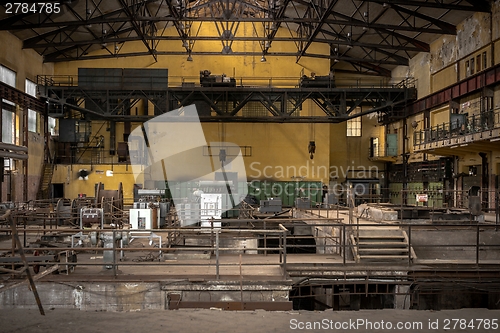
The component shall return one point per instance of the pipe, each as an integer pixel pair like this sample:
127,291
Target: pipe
13,155
9,146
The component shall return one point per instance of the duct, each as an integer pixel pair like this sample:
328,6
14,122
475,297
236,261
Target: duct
15,156
8,146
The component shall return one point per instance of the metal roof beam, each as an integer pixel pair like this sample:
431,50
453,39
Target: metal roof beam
481,5
137,28
317,29
475,5
447,29
255,54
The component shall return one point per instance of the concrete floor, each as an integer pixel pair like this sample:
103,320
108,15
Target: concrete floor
216,321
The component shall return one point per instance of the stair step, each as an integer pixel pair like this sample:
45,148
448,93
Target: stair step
383,257
382,236
373,250
382,244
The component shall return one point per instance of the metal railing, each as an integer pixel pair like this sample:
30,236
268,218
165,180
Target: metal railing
276,82
482,122
375,152
332,238
117,255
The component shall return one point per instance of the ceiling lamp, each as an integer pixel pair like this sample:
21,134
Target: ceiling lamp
263,59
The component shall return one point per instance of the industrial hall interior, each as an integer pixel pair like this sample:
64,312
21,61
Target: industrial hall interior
250,154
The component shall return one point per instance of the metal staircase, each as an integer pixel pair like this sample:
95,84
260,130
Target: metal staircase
45,181
381,245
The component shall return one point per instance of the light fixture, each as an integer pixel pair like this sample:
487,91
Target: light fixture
189,58
263,59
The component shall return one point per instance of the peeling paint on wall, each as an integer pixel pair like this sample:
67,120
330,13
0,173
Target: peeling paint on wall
443,53
473,33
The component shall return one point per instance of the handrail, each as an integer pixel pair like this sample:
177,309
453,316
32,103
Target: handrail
290,82
485,121
334,239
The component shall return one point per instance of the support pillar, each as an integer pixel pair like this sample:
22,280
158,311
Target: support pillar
484,181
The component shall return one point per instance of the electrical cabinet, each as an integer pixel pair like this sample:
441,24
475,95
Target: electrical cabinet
144,218
211,208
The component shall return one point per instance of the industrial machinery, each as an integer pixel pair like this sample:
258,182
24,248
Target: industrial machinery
316,81
144,218
210,201
150,209
108,240
211,208
272,205
302,203
208,80
111,201
149,212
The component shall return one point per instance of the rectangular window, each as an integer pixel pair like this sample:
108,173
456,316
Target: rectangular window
478,63
485,60
30,89
9,77
8,118
467,68
354,126
472,66
52,126
374,151
8,127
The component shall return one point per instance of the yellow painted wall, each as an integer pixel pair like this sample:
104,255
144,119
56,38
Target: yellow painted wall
279,151
496,51
440,116
240,66
444,78
26,63
352,153
68,175
418,69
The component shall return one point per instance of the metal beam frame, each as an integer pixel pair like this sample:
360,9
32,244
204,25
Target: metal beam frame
314,21
228,103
